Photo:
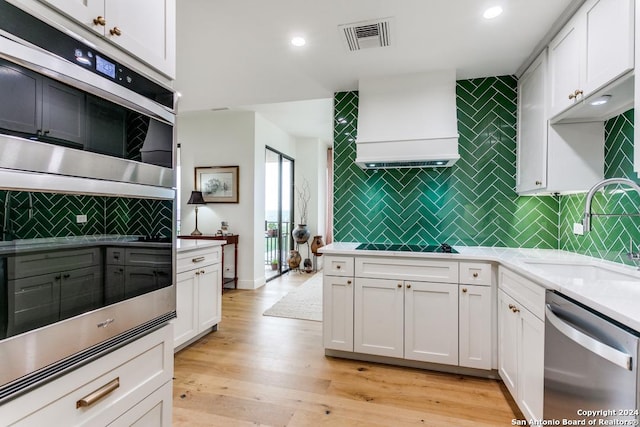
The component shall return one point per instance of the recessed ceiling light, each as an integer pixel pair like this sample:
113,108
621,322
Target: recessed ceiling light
492,12
298,41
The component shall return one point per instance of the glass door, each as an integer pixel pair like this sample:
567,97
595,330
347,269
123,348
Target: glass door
278,212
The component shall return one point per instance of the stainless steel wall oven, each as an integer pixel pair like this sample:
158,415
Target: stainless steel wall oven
87,202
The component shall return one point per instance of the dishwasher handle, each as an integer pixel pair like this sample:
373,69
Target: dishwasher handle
607,352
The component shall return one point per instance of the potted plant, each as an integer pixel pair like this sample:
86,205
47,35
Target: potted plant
274,264
272,229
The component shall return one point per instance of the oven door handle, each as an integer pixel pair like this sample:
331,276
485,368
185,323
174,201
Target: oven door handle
601,349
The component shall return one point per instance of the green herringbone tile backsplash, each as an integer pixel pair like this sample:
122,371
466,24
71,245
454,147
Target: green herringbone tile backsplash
610,236
471,203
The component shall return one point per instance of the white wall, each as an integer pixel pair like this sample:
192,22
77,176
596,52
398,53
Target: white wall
230,138
221,138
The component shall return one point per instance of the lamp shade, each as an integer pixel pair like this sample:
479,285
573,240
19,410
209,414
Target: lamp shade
196,198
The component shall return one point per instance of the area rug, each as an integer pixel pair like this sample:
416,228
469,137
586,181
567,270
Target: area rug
304,302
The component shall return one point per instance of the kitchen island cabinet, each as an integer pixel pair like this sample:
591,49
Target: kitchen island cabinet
404,309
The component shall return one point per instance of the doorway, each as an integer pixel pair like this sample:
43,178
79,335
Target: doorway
278,212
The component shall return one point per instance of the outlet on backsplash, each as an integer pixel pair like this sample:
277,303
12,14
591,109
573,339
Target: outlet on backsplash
578,229
81,219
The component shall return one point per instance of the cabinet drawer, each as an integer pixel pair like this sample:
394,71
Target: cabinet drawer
338,265
51,262
190,260
524,291
475,273
407,269
140,368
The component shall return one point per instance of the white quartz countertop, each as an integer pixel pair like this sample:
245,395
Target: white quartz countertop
183,245
574,275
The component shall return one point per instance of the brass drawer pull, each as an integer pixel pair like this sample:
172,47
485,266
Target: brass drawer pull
115,31
198,259
100,21
464,290
98,394
475,274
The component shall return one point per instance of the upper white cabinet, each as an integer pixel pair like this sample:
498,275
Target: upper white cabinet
558,158
144,28
595,48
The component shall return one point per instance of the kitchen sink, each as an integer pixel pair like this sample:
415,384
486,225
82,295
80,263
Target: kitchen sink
584,271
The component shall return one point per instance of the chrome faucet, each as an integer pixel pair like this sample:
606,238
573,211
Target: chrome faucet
586,221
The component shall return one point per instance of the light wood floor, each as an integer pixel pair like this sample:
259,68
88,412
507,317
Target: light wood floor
259,370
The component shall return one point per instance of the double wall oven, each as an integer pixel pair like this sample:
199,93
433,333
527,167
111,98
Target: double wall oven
87,197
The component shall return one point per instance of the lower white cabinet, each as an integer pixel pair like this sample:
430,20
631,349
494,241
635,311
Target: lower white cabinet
475,336
133,385
436,320
337,312
198,294
521,343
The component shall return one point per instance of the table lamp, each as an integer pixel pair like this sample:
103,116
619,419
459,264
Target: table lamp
196,199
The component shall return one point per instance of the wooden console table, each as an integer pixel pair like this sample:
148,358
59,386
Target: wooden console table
231,240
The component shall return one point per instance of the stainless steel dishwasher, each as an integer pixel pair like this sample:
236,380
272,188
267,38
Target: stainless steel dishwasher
590,365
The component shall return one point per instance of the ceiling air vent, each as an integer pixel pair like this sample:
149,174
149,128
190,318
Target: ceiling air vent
367,34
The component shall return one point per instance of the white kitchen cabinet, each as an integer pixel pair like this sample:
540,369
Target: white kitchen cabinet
559,158
134,380
379,317
594,48
521,341
410,320
337,312
198,294
475,326
144,28
431,322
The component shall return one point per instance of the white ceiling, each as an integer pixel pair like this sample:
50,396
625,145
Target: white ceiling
234,53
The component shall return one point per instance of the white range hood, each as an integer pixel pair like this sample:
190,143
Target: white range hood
407,121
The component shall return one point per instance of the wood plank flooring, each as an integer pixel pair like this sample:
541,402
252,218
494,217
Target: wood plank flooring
260,370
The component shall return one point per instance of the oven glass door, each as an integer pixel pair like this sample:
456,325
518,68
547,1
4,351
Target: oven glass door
63,255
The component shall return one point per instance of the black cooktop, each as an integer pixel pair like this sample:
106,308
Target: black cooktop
443,248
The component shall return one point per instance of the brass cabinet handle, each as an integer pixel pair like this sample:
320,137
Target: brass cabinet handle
464,290
515,310
511,306
337,267
115,31
197,273
399,285
103,391
475,274
198,259
348,282
202,271
100,21
408,285
575,94
538,182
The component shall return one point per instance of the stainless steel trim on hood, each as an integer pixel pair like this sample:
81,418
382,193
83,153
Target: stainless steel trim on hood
407,120
33,156
59,69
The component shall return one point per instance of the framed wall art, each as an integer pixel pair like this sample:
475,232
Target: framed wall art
219,184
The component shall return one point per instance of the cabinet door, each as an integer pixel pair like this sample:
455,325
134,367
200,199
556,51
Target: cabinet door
531,173
63,112
209,281
185,325
565,56
106,127
33,302
83,11
337,313
154,411
475,326
507,342
431,322
24,89
139,280
147,30
610,41
379,317
530,364
80,291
